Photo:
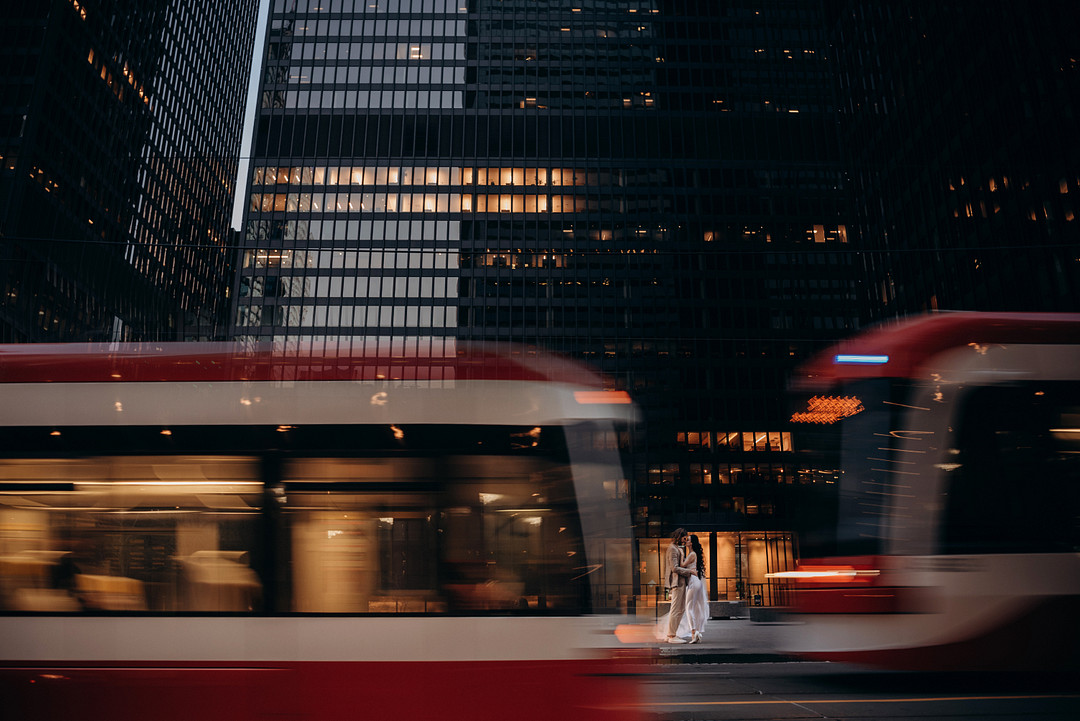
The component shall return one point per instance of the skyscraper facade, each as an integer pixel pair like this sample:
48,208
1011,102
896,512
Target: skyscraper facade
960,122
652,185
120,139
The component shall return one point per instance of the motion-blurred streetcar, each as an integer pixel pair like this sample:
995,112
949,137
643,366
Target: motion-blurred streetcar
955,439
218,532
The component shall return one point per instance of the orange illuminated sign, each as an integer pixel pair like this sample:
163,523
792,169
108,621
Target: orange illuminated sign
828,409
589,397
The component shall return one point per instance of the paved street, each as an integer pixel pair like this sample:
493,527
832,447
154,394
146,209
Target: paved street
771,690
738,672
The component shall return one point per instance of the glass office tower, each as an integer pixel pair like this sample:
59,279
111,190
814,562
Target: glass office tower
120,126
651,185
960,122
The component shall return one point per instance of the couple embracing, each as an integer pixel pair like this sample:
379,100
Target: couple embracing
689,599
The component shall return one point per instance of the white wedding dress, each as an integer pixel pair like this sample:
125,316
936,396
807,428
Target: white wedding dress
697,608
696,615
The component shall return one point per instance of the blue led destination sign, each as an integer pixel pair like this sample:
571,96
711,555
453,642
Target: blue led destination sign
862,359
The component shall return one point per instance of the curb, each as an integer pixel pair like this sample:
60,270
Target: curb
710,657
731,641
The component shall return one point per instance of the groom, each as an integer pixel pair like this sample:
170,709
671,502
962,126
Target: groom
677,580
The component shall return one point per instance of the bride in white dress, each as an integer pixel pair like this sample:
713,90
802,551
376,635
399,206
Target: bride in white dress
697,599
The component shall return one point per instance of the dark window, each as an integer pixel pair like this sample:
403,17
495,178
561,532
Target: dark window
1017,486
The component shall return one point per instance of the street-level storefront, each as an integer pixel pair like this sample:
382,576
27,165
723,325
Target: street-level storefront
736,565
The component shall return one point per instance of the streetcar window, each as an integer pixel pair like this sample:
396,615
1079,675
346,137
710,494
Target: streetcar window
331,519
432,535
105,534
1015,486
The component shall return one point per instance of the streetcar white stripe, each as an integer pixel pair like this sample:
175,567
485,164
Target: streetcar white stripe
296,403
265,639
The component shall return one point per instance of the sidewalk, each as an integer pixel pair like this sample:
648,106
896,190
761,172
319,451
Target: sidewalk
726,640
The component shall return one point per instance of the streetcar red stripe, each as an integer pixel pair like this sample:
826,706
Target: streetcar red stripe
596,690
911,342
76,362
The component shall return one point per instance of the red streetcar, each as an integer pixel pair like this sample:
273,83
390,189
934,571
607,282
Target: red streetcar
223,532
954,441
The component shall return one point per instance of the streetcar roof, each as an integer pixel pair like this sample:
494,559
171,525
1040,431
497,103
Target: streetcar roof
898,349
206,362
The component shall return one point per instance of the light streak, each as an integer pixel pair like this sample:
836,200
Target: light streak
588,570
818,701
903,405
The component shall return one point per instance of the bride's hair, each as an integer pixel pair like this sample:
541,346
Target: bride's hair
696,546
